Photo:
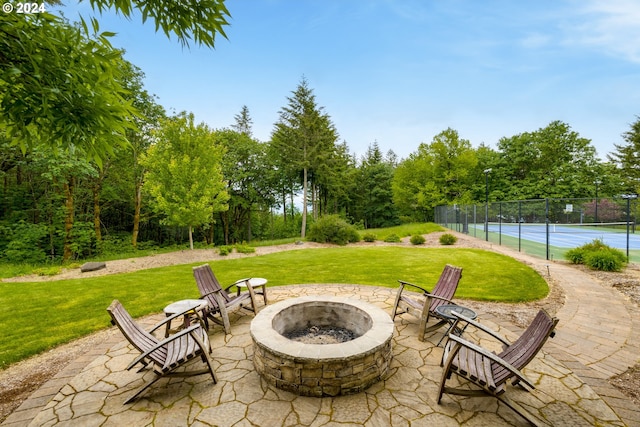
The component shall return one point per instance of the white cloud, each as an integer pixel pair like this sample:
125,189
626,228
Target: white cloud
612,26
535,40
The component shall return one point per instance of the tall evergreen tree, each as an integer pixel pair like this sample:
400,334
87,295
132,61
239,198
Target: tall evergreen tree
304,137
243,122
627,158
375,189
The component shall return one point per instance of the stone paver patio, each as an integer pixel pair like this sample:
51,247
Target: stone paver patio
94,396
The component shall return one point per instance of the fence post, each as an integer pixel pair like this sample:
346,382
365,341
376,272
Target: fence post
546,220
519,226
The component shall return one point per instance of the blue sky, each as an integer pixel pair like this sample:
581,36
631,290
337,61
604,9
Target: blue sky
400,72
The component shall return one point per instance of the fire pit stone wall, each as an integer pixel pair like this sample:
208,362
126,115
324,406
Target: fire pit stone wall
322,369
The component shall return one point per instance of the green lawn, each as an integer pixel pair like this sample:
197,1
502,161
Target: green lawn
37,316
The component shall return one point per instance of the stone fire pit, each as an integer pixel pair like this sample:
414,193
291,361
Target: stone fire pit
310,369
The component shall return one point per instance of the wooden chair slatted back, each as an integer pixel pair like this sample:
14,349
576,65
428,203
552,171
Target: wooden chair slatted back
208,284
446,286
137,336
525,348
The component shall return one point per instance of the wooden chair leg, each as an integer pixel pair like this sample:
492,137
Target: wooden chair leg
518,409
143,389
397,302
224,314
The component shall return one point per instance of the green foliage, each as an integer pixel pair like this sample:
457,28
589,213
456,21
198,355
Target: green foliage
185,173
83,240
369,237
61,88
575,255
373,193
448,239
225,250
117,243
597,256
304,141
27,243
417,239
408,229
437,174
392,238
605,260
553,161
246,170
199,21
244,248
333,229
48,271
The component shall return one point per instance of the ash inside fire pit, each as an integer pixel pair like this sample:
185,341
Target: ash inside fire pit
321,335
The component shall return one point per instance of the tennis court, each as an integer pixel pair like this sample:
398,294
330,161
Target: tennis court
549,227
569,235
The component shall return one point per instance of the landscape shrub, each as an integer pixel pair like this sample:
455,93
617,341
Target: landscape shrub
333,229
225,250
83,239
116,244
27,244
369,237
243,248
575,255
417,239
392,238
448,239
597,256
604,260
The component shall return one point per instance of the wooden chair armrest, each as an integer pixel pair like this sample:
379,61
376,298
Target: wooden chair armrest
426,292
440,298
162,343
236,283
492,356
481,327
170,318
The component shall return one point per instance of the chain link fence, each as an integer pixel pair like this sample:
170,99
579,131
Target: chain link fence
549,227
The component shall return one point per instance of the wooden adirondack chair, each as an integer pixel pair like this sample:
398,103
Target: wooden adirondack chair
490,371
424,308
164,355
220,300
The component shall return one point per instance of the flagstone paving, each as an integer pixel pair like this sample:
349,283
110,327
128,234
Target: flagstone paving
407,396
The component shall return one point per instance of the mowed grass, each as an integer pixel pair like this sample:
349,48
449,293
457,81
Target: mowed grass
404,230
37,316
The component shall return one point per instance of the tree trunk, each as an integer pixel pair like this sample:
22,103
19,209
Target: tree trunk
136,214
249,236
225,223
314,201
304,205
96,211
68,220
284,206
191,237
211,231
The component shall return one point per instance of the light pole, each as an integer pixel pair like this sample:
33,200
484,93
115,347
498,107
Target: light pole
486,206
597,182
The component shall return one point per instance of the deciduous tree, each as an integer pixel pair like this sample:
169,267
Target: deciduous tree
184,174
